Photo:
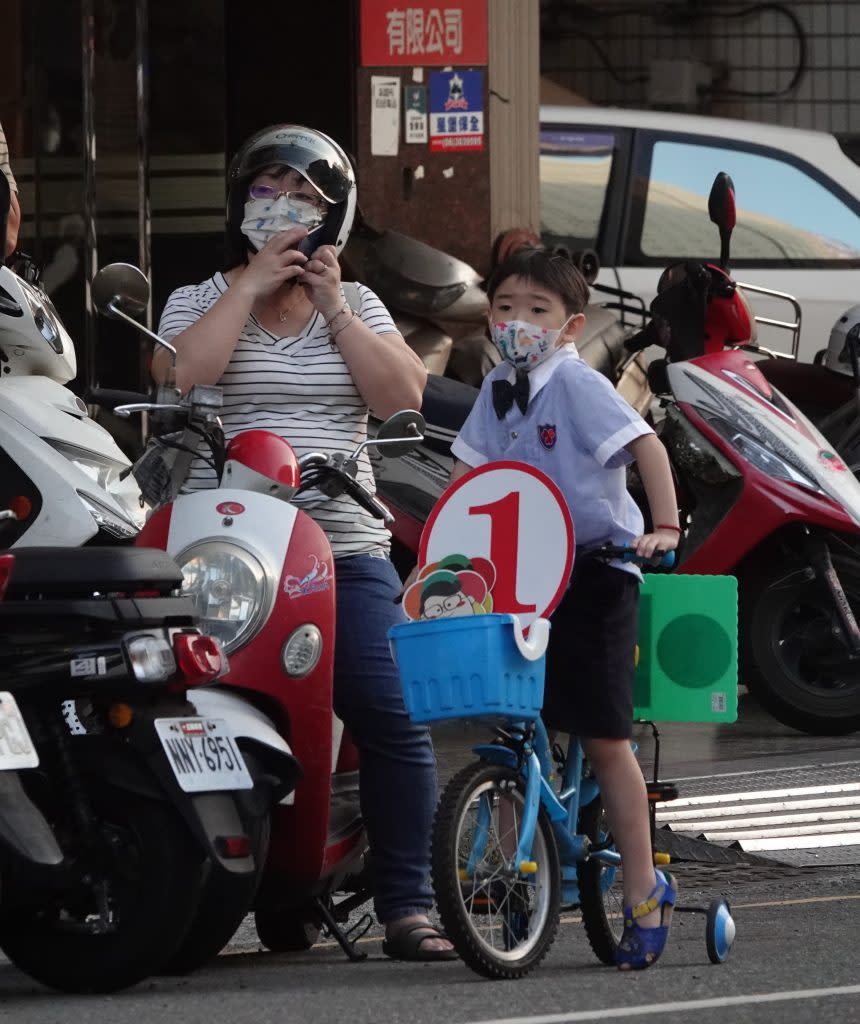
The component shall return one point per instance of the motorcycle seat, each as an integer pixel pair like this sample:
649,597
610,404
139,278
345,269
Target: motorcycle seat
445,407
55,572
601,343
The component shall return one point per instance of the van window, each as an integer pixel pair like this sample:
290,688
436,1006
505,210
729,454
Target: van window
574,178
783,214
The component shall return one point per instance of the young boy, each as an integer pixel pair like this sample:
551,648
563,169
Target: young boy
544,406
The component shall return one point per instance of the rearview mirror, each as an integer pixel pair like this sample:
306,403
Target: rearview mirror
721,210
401,433
120,287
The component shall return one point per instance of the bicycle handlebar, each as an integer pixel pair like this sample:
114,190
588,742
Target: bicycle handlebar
659,560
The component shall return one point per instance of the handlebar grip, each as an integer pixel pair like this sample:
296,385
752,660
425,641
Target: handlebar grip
667,558
367,501
110,398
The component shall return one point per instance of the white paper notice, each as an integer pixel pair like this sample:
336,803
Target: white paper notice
384,116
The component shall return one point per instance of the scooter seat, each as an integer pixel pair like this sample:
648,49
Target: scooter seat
446,405
78,572
601,343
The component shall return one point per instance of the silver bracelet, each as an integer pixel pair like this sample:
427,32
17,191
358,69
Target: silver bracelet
343,327
345,308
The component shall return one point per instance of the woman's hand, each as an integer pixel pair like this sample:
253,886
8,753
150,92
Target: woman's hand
277,262
320,278
659,540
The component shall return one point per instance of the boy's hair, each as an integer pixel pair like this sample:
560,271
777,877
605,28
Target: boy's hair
543,266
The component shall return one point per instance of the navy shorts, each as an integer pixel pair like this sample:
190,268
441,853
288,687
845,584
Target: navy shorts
591,656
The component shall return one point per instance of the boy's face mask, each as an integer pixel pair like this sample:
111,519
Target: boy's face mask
525,345
266,218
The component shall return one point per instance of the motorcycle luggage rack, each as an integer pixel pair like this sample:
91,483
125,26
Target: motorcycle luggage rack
785,325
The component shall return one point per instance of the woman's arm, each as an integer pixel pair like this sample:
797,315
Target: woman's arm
656,475
13,223
204,349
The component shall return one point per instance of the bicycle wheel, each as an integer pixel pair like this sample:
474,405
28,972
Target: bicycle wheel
601,898
501,923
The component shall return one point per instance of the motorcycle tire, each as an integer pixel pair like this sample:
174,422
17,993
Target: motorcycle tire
791,658
601,899
501,925
286,931
152,877
225,900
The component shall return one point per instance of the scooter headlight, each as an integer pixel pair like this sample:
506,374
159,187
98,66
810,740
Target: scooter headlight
761,456
228,587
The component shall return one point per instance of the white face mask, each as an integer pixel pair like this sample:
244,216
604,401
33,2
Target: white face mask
525,345
266,218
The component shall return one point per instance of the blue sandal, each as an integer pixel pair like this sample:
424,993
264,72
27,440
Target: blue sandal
641,947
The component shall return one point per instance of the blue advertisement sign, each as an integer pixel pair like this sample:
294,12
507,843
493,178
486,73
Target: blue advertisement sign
456,111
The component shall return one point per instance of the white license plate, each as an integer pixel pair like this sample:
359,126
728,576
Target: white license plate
203,754
16,747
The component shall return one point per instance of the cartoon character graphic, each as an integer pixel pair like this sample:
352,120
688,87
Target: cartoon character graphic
452,587
314,580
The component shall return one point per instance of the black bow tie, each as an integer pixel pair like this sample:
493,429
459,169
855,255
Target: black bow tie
505,394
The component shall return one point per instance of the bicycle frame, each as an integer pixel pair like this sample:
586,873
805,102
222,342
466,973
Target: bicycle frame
529,753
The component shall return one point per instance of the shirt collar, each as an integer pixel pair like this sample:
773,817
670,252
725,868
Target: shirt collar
543,371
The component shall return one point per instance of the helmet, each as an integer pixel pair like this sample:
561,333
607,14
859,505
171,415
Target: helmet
846,328
260,461
315,156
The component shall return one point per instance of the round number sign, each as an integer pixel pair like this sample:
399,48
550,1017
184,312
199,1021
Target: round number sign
513,516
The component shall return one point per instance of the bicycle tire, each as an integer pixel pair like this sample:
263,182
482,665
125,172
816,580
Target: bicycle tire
600,889
460,912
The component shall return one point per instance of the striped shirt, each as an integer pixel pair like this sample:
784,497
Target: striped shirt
4,161
301,389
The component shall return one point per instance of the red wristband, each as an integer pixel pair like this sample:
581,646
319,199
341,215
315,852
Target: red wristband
666,526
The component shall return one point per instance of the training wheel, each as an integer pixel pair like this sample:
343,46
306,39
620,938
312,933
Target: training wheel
719,931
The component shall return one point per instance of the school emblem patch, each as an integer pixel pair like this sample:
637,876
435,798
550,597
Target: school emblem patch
547,435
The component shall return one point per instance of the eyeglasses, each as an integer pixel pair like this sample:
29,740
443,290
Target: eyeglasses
272,193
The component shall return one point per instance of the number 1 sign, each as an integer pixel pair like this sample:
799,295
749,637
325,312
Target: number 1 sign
508,524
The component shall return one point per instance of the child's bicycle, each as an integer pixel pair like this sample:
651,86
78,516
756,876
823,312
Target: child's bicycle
512,843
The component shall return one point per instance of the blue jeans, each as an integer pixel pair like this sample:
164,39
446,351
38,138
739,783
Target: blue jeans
398,767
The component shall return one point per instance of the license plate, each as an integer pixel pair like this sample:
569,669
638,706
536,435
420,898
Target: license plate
203,754
16,747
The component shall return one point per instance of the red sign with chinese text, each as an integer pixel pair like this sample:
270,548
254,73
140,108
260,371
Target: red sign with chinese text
420,33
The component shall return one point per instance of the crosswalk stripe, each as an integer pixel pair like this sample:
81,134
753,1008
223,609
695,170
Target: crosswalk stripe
799,818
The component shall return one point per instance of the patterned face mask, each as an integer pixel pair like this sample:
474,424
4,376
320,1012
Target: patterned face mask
525,345
265,218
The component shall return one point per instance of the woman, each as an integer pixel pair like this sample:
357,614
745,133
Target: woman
292,356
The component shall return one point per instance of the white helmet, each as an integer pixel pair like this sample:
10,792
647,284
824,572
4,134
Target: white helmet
847,328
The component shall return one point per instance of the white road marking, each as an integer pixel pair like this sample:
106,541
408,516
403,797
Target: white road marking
682,1006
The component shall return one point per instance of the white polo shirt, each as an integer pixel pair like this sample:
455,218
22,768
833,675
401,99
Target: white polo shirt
575,430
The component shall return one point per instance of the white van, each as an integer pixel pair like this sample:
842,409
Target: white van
633,185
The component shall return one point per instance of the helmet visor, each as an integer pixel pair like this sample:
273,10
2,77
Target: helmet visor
315,158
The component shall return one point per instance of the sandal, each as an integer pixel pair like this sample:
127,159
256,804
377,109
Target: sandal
406,944
640,947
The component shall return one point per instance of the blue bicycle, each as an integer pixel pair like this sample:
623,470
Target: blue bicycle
521,831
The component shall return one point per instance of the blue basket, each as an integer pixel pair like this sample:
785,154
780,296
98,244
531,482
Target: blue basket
468,667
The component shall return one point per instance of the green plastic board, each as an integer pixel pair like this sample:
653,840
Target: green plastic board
688,649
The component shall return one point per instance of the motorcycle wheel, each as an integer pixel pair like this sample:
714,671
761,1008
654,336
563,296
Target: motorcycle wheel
601,900
794,662
225,901
286,931
501,925
149,870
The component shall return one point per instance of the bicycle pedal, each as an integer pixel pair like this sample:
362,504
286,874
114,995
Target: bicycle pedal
662,791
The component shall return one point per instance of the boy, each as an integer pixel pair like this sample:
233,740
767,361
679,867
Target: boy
544,406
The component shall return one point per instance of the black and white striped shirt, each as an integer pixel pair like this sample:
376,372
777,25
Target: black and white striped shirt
301,389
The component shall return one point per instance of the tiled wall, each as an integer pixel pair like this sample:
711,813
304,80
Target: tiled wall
603,51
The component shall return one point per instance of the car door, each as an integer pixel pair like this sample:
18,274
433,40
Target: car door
797,230
584,171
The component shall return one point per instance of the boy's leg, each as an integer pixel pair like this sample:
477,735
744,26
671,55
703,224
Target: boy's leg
622,788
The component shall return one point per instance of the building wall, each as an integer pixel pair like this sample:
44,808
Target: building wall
605,55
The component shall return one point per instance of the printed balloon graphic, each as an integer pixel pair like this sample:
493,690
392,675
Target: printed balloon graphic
454,586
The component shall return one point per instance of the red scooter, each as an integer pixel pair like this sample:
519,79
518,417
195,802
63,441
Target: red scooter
762,494
262,576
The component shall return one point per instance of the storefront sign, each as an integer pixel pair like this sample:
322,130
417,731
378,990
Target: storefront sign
415,113
456,111
416,32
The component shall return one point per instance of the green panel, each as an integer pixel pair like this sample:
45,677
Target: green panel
688,649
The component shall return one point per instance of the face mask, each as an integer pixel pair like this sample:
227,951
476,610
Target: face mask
525,345
263,220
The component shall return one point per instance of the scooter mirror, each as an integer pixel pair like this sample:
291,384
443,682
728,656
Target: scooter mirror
403,431
721,210
120,287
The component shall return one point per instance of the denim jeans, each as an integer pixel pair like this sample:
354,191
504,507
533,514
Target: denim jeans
398,767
